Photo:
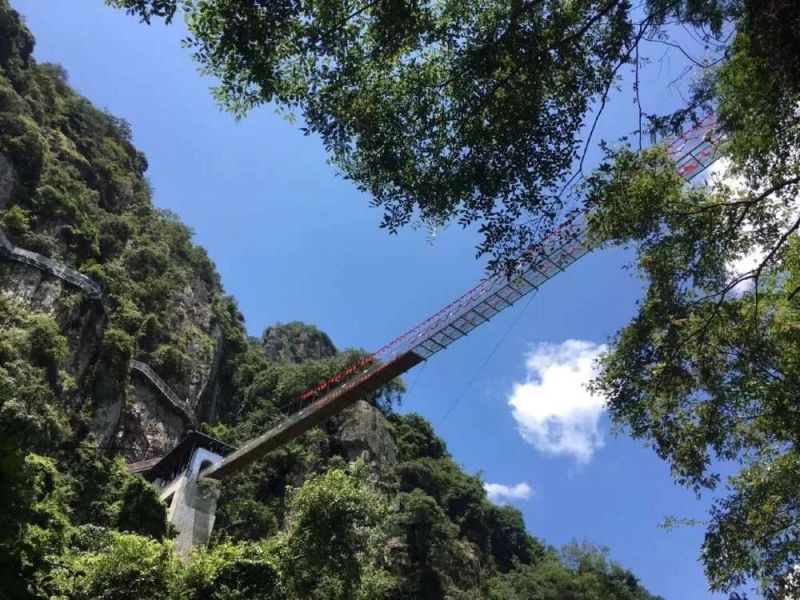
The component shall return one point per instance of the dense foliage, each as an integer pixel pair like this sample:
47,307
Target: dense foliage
706,373
306,522
467,111
73,189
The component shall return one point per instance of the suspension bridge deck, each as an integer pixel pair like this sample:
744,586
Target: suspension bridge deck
692,152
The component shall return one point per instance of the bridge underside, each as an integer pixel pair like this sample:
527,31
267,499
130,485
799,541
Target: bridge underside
327,406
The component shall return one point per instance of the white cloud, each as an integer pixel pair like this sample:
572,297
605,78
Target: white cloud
500,493
719,174
553,409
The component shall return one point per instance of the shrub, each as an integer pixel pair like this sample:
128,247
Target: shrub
244,571
141,510
47,345
131,567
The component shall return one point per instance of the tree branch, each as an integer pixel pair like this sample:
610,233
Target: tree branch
560,44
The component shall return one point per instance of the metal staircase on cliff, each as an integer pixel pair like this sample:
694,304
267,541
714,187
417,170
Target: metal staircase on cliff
48,265
57,269
166,392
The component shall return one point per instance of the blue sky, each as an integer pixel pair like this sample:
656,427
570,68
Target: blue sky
295,242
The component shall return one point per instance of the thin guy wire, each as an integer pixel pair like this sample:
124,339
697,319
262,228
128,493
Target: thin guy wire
485,362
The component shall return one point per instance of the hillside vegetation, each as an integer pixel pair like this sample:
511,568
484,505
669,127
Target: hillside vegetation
334,514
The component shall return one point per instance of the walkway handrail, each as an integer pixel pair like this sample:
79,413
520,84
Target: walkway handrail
165,390
14,253
63,272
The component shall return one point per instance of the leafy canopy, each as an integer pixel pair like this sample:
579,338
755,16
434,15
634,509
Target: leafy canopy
470,111
706,373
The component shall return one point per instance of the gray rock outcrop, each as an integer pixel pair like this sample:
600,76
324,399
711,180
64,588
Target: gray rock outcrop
363,432
296,342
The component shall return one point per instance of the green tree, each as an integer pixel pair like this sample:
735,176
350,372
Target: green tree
47,345
429,538
460,111
579,573
415,437
243,571
706,373
141,510
34,524
510,542
124,567
337,528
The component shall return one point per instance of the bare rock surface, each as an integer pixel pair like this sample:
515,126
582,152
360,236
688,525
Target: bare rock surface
148,427
296,342
363,432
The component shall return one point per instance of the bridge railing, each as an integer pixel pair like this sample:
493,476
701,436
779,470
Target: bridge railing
476,306
695,150
692,152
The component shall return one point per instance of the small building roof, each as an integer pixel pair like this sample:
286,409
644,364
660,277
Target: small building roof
171,464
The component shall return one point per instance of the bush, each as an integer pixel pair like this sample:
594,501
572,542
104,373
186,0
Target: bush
242,571
17,220
34,523
47,345
24,146
336,536
131,567
141,510
117,350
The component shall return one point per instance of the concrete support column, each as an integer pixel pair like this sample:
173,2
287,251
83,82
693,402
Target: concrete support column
193,512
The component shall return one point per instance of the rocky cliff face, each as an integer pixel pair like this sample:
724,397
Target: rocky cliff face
72,188
204,347
8,179
140,423
81,319
148,427
30,286
296,342
362,433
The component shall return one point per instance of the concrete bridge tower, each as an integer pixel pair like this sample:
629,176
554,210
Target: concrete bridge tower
192,501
